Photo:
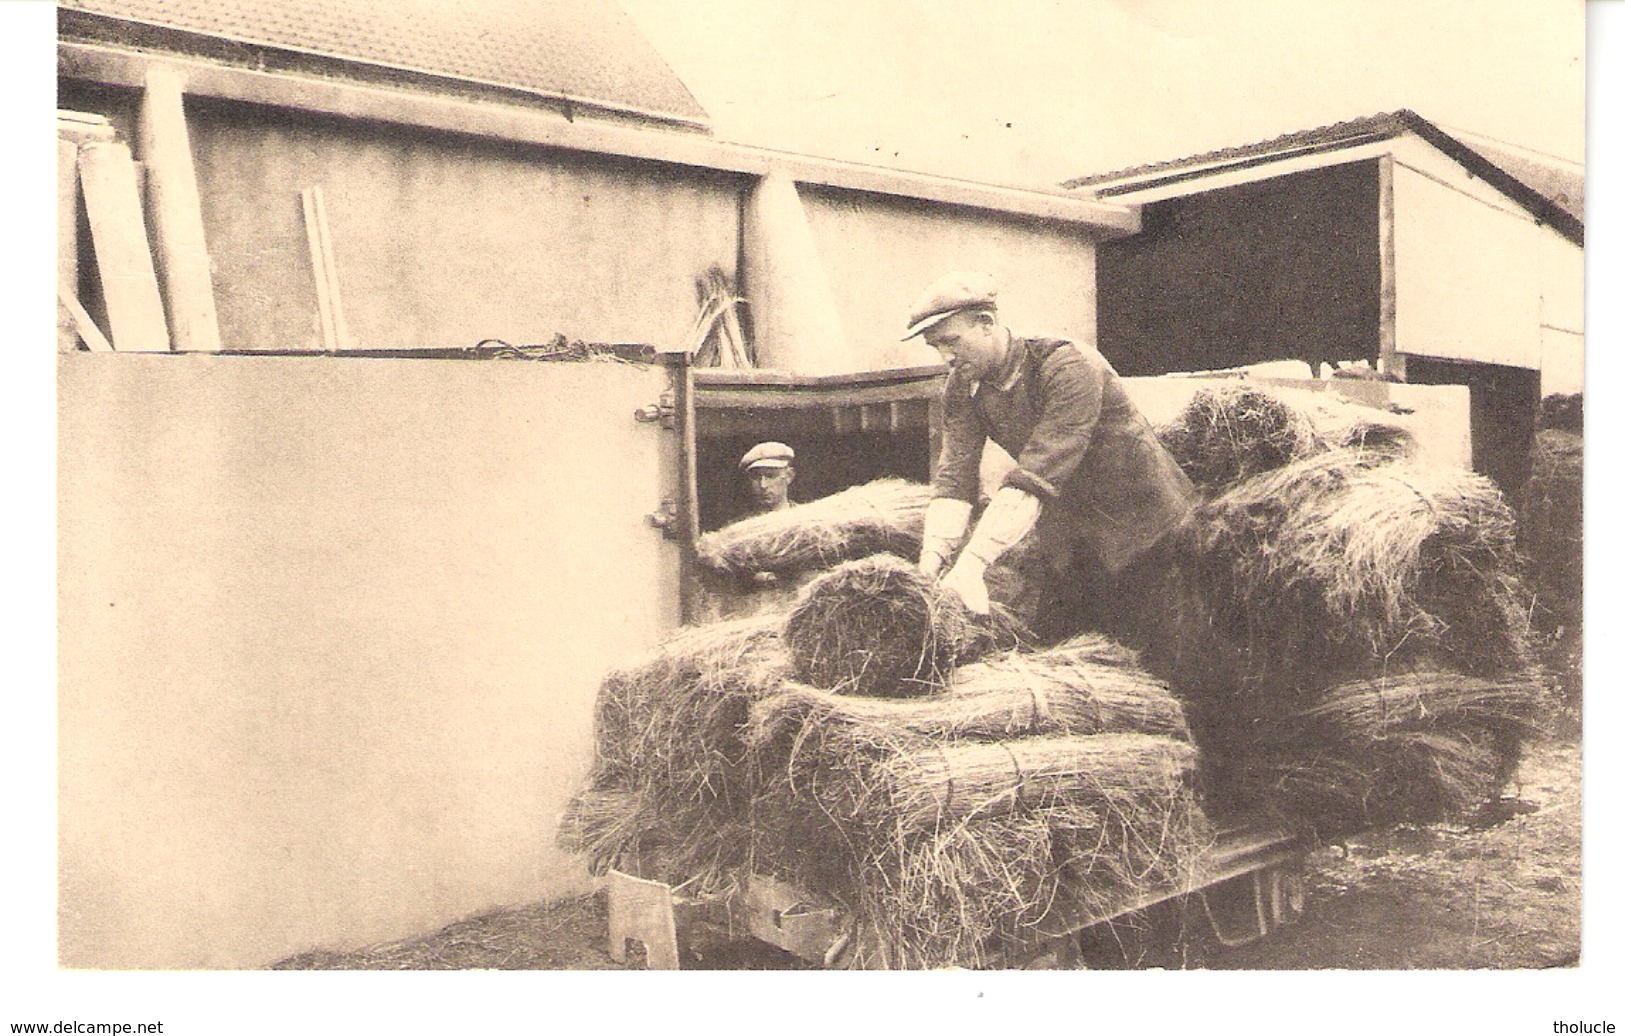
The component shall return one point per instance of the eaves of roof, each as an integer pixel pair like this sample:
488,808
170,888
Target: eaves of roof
1325,139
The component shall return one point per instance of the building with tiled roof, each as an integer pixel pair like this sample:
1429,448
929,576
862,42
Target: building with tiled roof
367,585
1382,244
582,53
1553,191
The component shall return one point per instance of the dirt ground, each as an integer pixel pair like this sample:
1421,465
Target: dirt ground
1503,893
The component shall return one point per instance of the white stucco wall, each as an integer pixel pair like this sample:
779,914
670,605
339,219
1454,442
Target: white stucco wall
330,635
1467,276
443,241
1562,315
881,253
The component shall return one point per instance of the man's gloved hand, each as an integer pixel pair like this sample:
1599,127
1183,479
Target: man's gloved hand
968,579
946,521
931,564
1010,515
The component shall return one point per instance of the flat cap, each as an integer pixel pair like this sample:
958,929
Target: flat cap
767,455
949,294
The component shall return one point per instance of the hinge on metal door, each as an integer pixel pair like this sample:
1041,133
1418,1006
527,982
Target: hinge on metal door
666,519
665,411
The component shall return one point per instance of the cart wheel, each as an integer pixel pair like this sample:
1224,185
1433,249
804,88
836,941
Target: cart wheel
1237,910
1286,895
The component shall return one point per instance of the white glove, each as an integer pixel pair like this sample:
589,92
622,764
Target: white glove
946,521
968,579
1010,515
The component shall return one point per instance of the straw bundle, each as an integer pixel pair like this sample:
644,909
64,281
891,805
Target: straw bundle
1388,440
884,516
1417,747
1551,529
1085,685
1227,434
1299,594
877,626
1341,422
961,888
938,846
938,831
674,716
1344,558
945,824
1088,685
928,786
1426,699
670,783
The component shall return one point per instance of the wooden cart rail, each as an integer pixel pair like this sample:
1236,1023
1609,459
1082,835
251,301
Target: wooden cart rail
1249,883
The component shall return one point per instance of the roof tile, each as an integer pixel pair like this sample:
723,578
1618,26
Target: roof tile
588,51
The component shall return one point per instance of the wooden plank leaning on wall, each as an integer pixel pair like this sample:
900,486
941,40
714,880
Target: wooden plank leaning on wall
177,213
135,311
329,303
73,323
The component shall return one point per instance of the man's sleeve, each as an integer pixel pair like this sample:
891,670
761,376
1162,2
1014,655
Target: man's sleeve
1070,393
958,473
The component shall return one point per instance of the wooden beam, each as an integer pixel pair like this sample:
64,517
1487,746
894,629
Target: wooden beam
83,326
1236,172
118,67
135,312
80,127
1389,359
681,366
177,214
713,398
756,377
335,331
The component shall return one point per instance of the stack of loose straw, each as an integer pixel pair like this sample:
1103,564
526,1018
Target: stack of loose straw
1350,576
1228,434
883,516
670,786
951,822
945,821
878,627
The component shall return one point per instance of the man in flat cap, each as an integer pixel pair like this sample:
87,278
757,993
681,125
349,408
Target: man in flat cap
1091,476
769,468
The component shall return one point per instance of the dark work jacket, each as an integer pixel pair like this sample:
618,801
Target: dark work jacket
1109,488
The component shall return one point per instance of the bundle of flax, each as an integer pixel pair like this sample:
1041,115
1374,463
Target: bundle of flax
926,787
944,822
884,516
1088,685
1378,437
1227,434
940,845
1415,747
1348,635
1339,560
669,783
878,627
1341,422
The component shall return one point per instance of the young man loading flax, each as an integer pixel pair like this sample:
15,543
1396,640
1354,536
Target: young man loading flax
1090,477
768,469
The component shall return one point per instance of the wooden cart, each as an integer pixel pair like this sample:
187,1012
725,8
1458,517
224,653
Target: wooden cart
1249,884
